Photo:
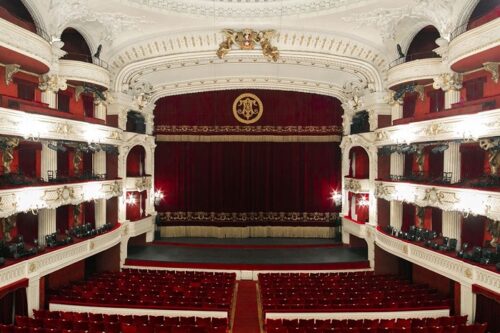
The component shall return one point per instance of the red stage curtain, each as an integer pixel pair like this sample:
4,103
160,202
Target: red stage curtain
247,177
473,230
281,108
408,216
472,161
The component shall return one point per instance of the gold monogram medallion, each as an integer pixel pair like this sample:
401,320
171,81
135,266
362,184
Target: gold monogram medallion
248,108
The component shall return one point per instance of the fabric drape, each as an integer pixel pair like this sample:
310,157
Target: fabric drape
247,177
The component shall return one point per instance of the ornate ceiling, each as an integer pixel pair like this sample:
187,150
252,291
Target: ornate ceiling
323,44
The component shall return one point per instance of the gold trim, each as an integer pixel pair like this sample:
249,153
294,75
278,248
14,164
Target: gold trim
248,138
247,114
234,130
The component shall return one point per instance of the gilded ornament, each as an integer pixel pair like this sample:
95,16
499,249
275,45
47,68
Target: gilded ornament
468,273
31,267
247,39
248,108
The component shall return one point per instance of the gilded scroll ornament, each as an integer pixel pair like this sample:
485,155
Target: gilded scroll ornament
247,39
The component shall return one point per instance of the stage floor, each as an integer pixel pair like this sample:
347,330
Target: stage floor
265,251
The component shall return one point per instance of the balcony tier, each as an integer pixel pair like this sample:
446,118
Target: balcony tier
84,72
421,70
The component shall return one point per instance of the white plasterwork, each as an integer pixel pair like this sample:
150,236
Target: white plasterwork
415,70
84,72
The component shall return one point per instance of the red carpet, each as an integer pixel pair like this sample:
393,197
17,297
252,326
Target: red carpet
246,317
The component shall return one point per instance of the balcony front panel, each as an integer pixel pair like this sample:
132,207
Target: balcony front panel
447,198
474,47
138,183
52,196
52,261
28,125
355,185
416,70
473,126
84,72
441,263
140,227
25,48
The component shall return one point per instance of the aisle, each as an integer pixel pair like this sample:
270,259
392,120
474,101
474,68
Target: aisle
246,317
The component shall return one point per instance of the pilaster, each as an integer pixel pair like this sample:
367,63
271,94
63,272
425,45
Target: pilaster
451,225
452,161
48,161
46,224
396,211
397,164
467,302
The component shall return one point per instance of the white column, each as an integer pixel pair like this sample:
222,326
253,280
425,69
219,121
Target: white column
467,302
99,167
354,216
397,164
451,225
396,111
100,111
50,97
452,161
48,161
46,224
33,295
451,96
396,214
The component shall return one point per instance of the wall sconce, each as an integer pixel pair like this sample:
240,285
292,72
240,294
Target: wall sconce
158,197
363,202
131,201
336,197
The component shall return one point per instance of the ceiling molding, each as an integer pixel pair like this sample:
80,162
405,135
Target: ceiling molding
248,9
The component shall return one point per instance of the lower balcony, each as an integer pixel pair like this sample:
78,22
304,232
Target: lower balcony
439,262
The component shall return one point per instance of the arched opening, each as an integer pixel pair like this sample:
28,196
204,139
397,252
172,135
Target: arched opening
485,11
423,43
75,46
136,162
15,12
359,165
136,122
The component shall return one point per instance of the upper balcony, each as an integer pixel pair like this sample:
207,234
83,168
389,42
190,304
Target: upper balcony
356,185
27,125
476,42
449,126
420,70
80,72
447,198
23,47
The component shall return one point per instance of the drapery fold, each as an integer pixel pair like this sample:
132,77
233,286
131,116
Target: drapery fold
247,177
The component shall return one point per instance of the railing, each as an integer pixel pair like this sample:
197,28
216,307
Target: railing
23,23
475,22
86,58
413,56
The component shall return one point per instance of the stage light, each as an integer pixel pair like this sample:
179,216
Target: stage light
336,197
131,200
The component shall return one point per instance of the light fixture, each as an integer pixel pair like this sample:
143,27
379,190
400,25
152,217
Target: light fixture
131,200
336,197
363,202
158,196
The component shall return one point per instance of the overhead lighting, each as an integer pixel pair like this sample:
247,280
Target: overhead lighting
158,196
131,200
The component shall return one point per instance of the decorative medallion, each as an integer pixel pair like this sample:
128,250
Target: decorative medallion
248,108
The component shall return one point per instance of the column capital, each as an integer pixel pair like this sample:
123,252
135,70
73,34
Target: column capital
52,83
448,81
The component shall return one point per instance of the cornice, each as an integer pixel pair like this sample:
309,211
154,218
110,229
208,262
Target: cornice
248,9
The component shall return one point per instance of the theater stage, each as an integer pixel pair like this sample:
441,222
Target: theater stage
248,254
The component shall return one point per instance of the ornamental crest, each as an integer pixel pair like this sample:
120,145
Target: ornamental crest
247,39
248,108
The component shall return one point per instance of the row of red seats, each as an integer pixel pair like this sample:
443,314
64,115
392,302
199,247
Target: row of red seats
453,324
66,322
170,289
368,323
393,293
